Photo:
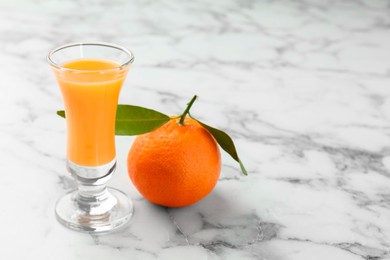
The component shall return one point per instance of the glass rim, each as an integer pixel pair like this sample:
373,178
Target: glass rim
102,44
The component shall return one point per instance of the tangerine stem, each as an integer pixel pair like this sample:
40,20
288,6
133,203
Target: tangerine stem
187,110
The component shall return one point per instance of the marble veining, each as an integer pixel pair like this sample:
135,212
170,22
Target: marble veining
302,86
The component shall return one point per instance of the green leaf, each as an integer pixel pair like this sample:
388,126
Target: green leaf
226,143
61,113
135,120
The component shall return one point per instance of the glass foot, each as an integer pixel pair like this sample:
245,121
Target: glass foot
95,216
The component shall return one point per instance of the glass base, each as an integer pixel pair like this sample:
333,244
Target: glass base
108,215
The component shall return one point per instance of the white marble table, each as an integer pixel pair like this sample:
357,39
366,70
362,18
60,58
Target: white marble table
303,87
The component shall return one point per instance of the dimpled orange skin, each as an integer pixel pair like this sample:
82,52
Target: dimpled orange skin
175,166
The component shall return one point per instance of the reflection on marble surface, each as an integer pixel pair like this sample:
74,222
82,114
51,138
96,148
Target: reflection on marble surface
302,87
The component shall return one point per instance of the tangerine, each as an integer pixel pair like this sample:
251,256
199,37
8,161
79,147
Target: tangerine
175,165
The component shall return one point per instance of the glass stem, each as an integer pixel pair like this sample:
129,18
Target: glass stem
92,196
